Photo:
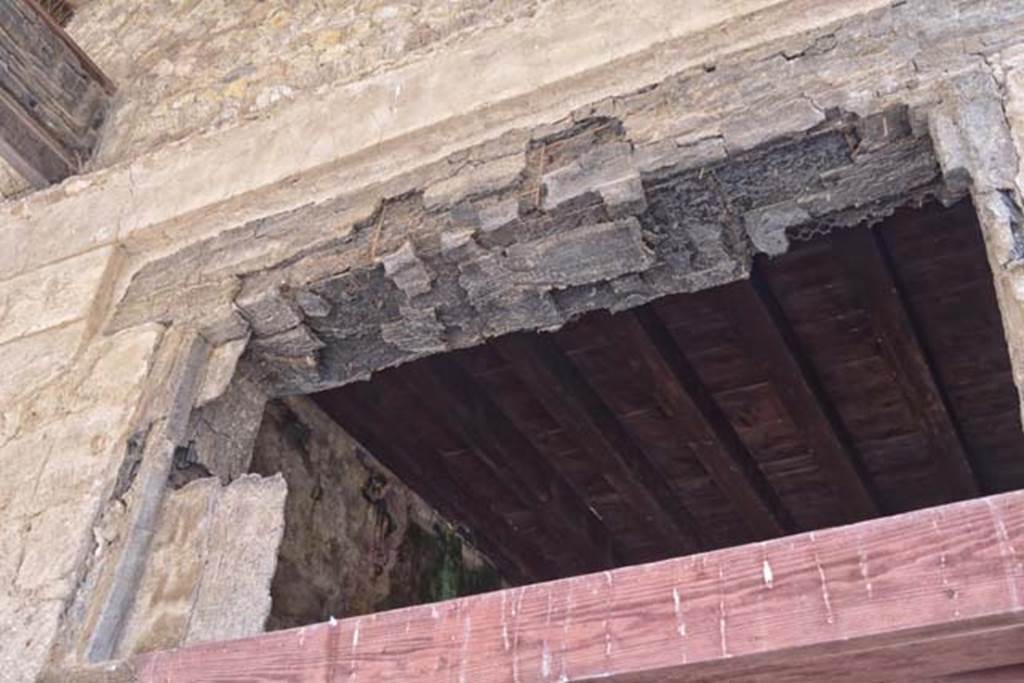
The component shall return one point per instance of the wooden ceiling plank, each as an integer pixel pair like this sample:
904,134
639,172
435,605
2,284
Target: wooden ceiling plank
355,408
28,148
769,338
866,262
450,394
52,99
567,396
912,597
682,393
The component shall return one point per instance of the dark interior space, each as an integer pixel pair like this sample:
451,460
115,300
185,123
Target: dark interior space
862,374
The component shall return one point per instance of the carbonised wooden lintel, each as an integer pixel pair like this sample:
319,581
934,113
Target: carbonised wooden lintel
53,99
912,597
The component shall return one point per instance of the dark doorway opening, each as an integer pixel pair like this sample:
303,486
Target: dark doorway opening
862,374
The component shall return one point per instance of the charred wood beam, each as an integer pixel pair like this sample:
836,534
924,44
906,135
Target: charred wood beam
726,458
769,338
572,402
53,99
867,265
357,409
451,395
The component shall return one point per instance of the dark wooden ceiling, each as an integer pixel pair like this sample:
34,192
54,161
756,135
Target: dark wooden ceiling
862,374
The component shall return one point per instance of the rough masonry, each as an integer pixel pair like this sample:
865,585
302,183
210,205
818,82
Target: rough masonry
275,256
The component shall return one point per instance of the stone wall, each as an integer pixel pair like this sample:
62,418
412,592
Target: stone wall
208,572
356,539
65,406
91,418
187,67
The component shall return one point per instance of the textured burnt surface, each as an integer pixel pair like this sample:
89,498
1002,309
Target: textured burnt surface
808,396
526,233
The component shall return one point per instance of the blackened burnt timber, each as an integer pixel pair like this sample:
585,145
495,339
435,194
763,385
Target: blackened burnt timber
585,223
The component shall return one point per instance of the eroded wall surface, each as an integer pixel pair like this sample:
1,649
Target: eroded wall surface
186,67
213,549
357,540
65,405
83,410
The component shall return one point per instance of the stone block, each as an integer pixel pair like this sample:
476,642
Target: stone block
223,431
21,461
52,295
294,343
233,599
220,368
27,632
160,613
56,541
581,256
478,179
29,363
268,312
407,270
607,165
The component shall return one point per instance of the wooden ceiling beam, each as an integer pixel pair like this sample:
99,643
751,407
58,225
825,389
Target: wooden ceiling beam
685,397
917,596
356,408
769,338
453,397
867,265
567,396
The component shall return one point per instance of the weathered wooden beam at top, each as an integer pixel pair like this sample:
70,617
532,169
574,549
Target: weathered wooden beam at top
912,597
53,98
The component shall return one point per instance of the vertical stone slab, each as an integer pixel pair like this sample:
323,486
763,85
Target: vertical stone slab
211,560
233,599
52,295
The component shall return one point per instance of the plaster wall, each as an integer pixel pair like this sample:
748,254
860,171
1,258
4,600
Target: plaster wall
79,400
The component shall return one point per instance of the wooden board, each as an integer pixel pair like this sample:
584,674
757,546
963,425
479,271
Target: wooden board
925,594
53,99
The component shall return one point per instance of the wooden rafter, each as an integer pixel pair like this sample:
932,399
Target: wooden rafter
52,97
868,267
359,411
724,456
452,395
768,337
571,401
918,596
